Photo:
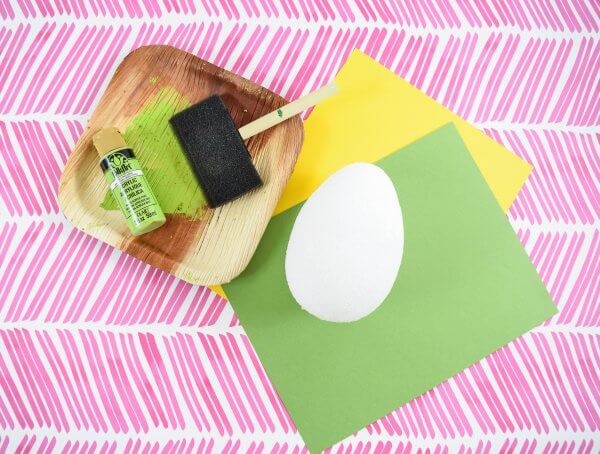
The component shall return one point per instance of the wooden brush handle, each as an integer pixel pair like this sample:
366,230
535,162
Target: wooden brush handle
289,110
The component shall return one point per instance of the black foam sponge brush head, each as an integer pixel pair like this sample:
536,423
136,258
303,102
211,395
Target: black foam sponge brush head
216,151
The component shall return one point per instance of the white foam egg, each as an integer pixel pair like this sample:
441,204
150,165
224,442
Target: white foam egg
346,245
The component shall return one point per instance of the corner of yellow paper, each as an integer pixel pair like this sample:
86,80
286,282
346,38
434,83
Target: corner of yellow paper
218,290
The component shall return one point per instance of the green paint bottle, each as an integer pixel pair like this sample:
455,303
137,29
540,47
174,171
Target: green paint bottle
127,182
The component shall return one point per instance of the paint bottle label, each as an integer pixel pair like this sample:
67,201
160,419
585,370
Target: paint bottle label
131,191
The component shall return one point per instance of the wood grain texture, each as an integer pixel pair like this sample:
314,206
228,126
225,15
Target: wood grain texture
217,247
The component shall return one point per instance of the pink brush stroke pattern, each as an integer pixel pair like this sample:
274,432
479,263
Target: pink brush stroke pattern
101,353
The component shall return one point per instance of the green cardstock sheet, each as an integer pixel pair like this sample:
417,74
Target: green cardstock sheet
465,288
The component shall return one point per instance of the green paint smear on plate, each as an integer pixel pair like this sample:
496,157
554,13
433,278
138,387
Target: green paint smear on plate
165,165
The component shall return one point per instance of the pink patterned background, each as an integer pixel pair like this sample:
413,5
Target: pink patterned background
101,353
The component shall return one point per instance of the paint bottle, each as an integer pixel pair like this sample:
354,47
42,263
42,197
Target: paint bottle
127,182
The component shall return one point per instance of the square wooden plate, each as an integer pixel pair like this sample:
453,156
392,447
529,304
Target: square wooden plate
217,247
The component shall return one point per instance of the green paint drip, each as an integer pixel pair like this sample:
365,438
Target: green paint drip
165,165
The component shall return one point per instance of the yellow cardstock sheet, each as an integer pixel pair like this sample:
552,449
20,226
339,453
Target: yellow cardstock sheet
375,114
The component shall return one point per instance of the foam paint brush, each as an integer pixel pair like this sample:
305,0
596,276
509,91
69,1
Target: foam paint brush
216,149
